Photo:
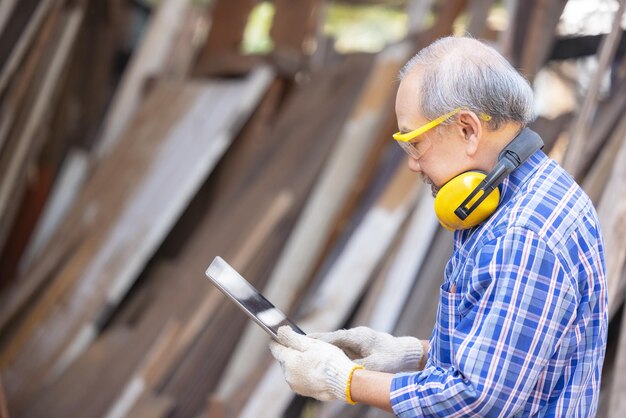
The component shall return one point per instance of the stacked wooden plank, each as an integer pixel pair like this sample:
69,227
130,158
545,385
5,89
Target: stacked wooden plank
281,164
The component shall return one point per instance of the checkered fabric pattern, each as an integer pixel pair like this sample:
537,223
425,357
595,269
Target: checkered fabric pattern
522,322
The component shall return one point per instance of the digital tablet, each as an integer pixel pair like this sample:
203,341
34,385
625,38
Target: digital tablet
249,300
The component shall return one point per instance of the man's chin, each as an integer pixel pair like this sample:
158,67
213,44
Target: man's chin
433,188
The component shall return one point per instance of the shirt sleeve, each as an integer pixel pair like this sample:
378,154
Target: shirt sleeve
514,315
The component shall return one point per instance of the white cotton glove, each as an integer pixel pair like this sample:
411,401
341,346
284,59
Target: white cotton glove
313,368
377,351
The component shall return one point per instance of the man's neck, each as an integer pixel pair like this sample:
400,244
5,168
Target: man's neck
495,141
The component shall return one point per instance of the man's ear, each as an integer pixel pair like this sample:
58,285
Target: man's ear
472,131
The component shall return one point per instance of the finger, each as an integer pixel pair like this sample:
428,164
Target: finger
278,351
349,340
288,337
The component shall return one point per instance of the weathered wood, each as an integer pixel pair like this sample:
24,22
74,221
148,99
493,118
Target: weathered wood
580,128
148,61
295,26
169,348
479,12
332,302
567,47
272,157
417,10
612,214
407,263
141,380
616,400
25,146
539,34
228,23
152,407
6,10
17,90
347,160
607,118
67,186
292,164
111,358
24,27
29,208
180,147
446,11
4,411
186,45
596,180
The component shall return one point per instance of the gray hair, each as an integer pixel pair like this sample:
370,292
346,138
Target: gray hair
466,73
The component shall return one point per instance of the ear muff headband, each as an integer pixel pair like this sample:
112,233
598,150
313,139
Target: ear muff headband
470,198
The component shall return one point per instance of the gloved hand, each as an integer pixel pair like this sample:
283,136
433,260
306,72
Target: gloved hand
377,351
313,368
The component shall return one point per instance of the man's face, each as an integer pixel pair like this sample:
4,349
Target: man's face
444,151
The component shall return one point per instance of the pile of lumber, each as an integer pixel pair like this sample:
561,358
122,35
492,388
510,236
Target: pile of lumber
122,176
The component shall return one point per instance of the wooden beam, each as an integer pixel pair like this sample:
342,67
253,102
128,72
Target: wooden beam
180,147
616,400
580,128
229,19
27,141
221,53
6,10
295,25
479,12
568,47
332,302
612,214
406,264
148,61
168,349
417,11
293,163
347,163
539,35
26,25
4,410
596,180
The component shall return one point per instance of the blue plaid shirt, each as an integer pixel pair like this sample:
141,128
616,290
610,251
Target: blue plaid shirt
522,320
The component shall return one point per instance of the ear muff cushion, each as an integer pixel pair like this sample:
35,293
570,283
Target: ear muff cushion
454,192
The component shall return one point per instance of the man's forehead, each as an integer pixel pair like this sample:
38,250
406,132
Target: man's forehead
408,101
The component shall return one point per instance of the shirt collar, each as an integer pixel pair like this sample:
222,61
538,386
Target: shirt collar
519,176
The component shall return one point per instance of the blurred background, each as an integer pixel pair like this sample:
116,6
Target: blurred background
140,139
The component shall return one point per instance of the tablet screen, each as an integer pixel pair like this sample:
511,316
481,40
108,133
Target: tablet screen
253,303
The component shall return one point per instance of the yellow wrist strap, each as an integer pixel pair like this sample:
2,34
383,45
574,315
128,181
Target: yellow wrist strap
349,384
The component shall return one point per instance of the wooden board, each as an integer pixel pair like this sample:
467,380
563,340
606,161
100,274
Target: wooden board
345,166
160,165
407,262
4,411
332,302
26,138
270,158
149,59
228,20
20,32
612,214
306,132
616,402
580,128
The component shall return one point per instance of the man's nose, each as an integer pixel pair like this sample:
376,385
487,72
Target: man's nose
414,165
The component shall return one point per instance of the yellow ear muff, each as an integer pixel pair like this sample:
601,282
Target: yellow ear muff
454,192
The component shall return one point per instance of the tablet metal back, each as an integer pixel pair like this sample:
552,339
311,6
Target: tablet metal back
253,303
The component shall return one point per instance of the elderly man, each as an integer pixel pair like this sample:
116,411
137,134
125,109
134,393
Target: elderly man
522,319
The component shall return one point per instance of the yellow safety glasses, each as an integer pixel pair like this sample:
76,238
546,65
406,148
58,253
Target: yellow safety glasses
417,148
